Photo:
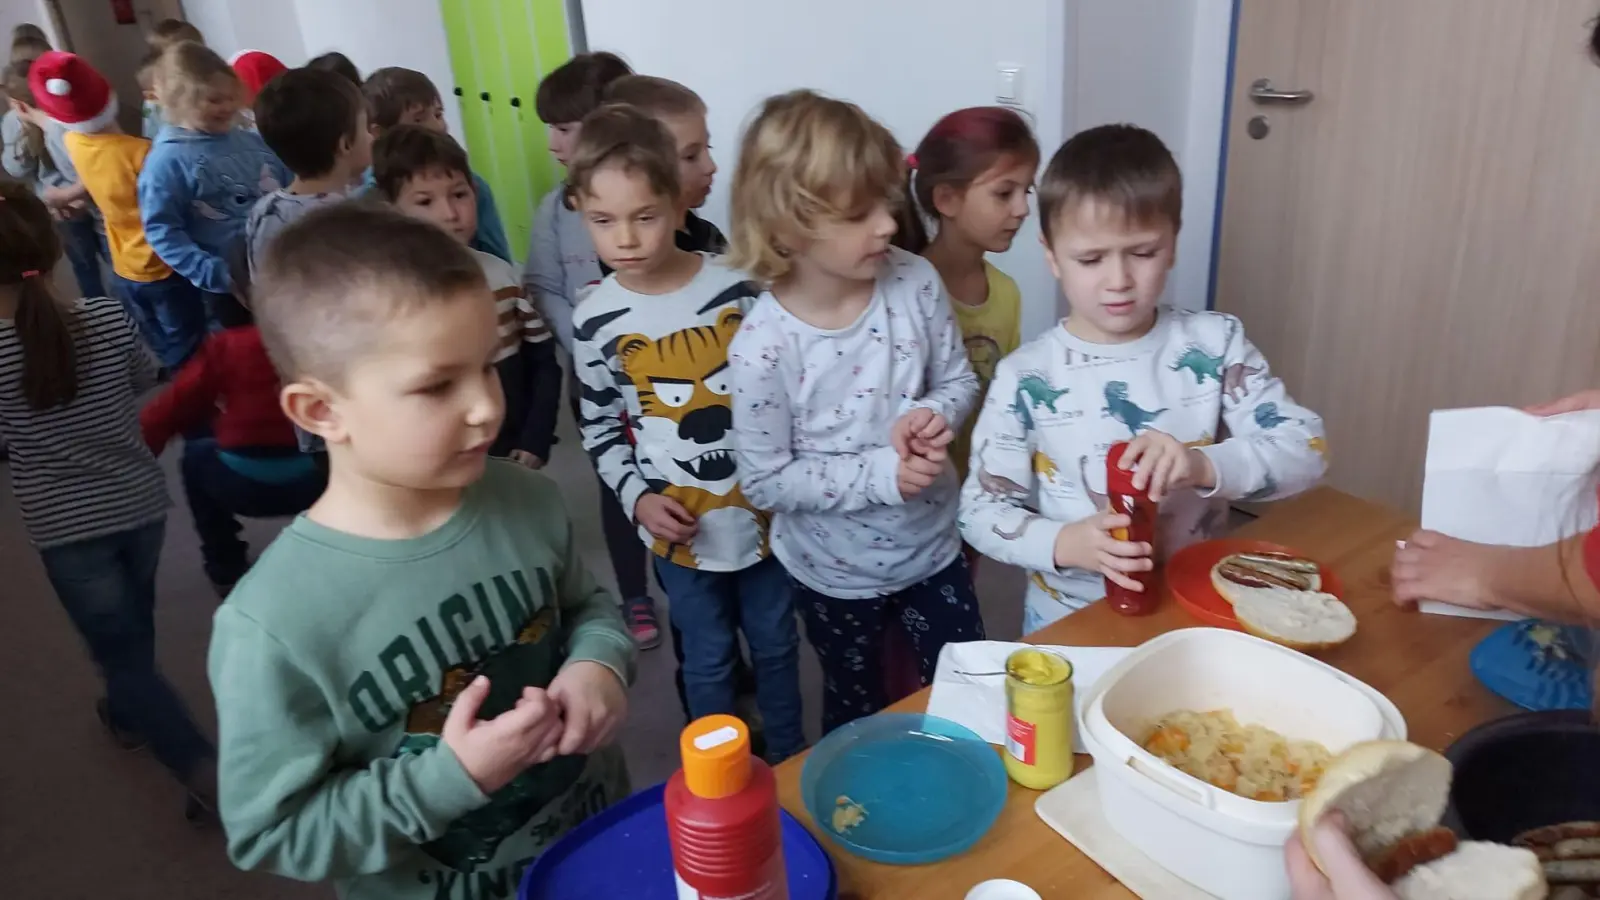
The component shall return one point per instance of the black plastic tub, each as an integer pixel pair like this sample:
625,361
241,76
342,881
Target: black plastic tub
1522,772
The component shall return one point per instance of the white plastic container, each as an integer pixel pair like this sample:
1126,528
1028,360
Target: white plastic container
1222,843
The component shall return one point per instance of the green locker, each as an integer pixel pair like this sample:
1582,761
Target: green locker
499,51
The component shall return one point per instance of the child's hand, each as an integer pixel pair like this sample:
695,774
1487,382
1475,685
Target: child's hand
1089,544
916,473
920,432
1582,400
526,459
496,751
1161,465
594,702
665,518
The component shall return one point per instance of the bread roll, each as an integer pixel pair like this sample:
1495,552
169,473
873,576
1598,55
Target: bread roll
1303,620
1393,792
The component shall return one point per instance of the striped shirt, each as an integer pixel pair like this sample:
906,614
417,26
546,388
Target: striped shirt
82,471
520,322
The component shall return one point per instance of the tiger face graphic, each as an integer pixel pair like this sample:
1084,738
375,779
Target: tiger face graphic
683,386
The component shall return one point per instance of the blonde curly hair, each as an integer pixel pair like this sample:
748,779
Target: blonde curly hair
806,160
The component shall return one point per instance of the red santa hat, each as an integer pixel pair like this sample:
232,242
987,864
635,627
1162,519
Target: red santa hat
255,68
71,92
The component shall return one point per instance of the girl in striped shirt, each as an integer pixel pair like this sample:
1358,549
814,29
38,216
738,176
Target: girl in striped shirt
92,498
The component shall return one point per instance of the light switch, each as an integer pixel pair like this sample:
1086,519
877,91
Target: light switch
1008,84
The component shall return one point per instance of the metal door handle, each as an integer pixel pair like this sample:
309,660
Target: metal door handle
1261,91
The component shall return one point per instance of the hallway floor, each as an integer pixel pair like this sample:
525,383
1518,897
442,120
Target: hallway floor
83,820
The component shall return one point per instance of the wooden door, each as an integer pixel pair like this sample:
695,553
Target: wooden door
1425,232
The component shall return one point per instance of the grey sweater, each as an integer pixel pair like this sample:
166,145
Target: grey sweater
561,261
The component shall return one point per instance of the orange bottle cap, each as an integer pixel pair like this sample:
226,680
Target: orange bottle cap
716,756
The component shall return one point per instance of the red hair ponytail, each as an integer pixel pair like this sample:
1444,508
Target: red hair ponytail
957,150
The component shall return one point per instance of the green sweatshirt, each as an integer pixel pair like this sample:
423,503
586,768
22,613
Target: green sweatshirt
335,662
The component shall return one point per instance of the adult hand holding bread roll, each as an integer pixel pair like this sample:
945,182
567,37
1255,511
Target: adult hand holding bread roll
1391,795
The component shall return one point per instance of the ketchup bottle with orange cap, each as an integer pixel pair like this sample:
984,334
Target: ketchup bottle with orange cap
722,817
1141,510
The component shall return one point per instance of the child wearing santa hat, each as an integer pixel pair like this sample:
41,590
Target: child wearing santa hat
169,310
204,174
255,68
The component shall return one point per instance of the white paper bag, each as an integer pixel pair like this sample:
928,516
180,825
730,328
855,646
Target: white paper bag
1496,475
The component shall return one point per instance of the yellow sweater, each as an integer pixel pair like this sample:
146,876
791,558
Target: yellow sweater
991,330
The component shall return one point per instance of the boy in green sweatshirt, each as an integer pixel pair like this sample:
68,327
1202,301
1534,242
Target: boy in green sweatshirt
417,684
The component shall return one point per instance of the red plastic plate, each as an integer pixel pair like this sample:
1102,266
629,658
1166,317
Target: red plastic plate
1189,578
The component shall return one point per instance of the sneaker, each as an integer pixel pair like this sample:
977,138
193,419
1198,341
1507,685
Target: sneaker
127,740
640,615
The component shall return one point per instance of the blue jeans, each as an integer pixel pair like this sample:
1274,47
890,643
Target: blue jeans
170,313
108,587
218,494
85,247
847,636
705,606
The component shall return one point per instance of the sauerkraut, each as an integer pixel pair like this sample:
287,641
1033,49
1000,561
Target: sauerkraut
1249,760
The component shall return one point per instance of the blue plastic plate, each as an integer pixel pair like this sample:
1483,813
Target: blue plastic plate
624,852
1534,675
930,788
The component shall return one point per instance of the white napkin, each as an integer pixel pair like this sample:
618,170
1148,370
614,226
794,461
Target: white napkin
978,701
1497,475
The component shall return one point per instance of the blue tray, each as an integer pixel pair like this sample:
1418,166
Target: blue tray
624,852
1534,675
930,787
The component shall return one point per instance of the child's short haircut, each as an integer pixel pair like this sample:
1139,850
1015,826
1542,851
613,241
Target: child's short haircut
304,114
332,280
28,41
1124,167
406,151
623,136
573,89
392,91
170,32
145,74
339,64
806,160
186,70
655,97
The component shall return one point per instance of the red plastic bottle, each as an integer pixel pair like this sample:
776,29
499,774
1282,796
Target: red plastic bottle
1136,505
722,817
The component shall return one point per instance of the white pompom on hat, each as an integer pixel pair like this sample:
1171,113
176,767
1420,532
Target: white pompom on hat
71,92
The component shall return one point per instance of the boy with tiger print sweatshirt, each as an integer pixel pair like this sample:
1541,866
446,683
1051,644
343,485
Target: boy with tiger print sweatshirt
651,353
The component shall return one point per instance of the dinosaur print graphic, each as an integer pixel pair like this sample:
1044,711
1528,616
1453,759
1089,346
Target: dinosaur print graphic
1119,407
1267,489
1044,466
1266,415
1202,364
1233,378
1041,584
1033,392
996,485
1205,440
1320,445
1018,532
1102,502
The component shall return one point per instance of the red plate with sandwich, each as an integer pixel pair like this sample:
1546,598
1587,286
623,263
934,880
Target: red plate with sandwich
1265,589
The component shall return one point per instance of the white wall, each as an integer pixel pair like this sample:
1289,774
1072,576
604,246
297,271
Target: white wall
373,33
1162,65
16,12
378,33
907,62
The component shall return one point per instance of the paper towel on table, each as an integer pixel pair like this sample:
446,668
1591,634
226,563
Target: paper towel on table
1497,475
978,700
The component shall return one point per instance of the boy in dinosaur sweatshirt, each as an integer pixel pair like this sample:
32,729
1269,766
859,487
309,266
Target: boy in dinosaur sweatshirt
1206,419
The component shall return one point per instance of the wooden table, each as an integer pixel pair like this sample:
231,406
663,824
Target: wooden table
1419,662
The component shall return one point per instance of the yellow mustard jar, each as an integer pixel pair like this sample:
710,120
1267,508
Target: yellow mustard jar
1039,719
